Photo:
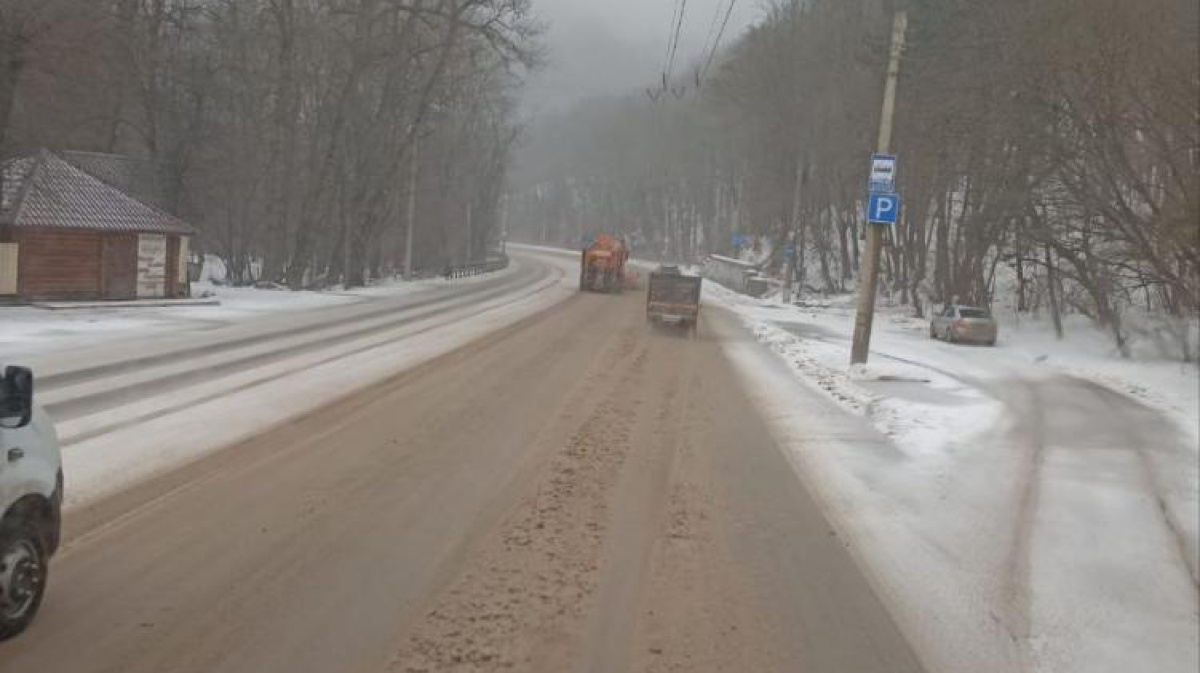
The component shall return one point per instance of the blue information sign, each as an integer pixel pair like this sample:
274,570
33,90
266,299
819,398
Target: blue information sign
883,174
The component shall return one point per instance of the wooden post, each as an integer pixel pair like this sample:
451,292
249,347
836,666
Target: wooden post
869,281
470,235
412,211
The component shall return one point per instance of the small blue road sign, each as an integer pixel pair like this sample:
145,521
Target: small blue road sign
883,208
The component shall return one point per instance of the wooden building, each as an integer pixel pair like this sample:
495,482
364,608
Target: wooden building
68,235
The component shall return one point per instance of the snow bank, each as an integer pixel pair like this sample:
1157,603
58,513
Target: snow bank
920,409
27,331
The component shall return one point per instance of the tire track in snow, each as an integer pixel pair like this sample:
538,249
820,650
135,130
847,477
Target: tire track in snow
278,375
90,403
1017,587
1119,405
85,374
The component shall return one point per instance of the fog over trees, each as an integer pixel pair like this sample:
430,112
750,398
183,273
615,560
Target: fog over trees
1049,154
285,130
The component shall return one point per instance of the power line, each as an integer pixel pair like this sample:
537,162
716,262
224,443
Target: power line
712,27
671,31
714,35
675,42
717,43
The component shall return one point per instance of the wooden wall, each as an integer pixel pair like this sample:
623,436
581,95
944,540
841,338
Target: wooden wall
118,272
59,264
73,264
8,268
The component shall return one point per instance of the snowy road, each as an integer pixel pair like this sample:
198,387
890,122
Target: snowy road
158,389
133,372
1031,520
1047,412
575,492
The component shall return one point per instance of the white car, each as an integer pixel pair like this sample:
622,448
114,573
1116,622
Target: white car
31,492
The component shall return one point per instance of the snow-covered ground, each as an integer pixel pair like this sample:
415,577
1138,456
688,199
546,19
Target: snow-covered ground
1029,507
818,336
28,330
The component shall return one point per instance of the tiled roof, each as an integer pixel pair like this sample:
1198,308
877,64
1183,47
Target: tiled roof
49,192
139,178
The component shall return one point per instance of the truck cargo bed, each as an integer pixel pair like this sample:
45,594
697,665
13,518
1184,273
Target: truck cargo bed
673,298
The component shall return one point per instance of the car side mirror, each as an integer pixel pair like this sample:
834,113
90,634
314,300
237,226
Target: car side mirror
16,398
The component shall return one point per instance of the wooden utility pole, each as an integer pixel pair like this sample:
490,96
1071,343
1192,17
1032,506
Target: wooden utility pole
869,281
412,211
504,224
1052,288
793,239
789,265
470,236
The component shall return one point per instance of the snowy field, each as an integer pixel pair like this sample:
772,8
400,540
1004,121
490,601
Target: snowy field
1029,507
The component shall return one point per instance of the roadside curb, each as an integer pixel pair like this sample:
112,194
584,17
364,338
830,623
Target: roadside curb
148,303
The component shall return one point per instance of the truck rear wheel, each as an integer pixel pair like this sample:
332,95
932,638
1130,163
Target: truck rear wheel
23,574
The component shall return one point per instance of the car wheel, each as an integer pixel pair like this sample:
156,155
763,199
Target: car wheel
23,574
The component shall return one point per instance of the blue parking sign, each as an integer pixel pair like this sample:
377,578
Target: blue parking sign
883,208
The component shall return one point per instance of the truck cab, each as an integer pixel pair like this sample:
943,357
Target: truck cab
31,493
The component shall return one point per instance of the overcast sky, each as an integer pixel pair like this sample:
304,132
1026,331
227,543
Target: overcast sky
597,47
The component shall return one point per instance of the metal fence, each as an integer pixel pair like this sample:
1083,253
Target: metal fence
736,275
477,268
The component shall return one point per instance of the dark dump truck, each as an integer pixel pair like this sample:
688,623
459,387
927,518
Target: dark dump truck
673,298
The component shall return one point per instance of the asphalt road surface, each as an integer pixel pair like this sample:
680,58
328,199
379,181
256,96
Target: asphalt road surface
575,493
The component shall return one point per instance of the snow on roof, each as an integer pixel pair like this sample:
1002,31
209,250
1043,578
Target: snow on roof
47,191
14,173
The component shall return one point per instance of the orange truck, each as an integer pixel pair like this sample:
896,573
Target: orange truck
602,265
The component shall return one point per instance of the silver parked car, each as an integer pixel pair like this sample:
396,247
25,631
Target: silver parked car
964,324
